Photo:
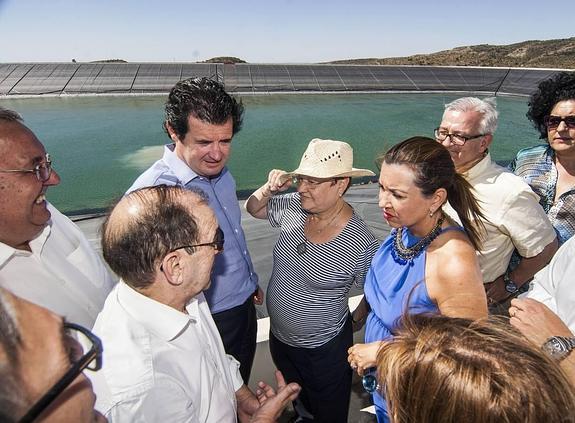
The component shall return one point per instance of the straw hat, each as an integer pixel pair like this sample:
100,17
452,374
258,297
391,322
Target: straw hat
328,159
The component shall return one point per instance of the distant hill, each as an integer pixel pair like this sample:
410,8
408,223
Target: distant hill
225,59
107,61
532,54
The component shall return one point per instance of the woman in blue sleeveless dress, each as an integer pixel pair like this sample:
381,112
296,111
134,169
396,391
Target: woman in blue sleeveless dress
427,264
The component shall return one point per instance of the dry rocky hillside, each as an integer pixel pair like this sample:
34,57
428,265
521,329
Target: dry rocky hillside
532,54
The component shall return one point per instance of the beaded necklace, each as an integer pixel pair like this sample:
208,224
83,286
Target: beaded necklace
402,254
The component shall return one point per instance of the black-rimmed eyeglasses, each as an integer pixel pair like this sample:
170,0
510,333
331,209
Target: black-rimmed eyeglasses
552,122
82,359
217,244
457,139
42,170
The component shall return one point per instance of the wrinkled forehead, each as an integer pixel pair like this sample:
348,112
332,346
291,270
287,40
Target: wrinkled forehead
19,145
461,121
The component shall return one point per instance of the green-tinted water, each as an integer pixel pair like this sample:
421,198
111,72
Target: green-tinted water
101,144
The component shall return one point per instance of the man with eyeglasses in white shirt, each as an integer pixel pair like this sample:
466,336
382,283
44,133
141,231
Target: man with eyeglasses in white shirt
44,257
514,220
164,358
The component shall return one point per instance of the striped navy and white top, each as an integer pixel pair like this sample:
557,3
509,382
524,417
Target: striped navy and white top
307,294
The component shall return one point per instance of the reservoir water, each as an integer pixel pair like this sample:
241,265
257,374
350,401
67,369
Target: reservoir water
99,145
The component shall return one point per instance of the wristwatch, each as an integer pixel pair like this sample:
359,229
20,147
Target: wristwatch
510,286
559,347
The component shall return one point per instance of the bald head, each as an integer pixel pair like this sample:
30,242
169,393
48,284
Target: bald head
145,226
11,395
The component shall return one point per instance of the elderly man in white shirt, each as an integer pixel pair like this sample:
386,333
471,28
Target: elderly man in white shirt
44,257
163,357
513,217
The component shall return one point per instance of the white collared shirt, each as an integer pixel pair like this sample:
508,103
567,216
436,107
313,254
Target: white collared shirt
515,219
62,272
162,365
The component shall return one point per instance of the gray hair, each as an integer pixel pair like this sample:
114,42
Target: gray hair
487,107
11,395
9,115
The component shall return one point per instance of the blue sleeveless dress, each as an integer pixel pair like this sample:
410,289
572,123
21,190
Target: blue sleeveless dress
388,286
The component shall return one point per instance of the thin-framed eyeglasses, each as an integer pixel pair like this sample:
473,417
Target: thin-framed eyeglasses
42,170
457,139
217,244
80,359
311,183
552,122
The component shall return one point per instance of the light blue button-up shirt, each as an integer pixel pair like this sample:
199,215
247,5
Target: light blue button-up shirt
233,275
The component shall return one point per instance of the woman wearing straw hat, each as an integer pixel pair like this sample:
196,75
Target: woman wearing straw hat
323,248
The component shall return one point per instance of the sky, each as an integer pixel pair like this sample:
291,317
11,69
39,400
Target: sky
270,31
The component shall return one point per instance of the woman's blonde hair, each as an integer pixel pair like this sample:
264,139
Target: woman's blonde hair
441,369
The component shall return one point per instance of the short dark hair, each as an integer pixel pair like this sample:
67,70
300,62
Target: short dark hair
551,91
206,100
133,250
433,168
11,395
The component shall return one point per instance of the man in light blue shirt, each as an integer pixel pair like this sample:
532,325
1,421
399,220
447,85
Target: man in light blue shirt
201,119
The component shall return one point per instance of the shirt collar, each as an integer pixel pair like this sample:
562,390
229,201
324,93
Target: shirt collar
550,154
180,168
182,171
164,321
479,168
36,245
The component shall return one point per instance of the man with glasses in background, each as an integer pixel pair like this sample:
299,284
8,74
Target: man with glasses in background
44,257
514,220
41,365
201,120
164,358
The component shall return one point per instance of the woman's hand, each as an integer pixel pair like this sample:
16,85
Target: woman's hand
258,201
277,182
363,356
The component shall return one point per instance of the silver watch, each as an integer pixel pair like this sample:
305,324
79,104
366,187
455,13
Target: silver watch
559,347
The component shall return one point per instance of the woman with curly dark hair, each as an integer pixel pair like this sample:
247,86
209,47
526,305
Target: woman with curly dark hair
550,169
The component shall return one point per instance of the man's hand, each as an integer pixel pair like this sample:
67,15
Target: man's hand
496,291
272,403
535,321
258,296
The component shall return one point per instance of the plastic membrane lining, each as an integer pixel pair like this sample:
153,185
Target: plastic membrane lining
140,78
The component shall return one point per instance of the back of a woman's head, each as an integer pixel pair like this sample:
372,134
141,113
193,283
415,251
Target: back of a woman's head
441,369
